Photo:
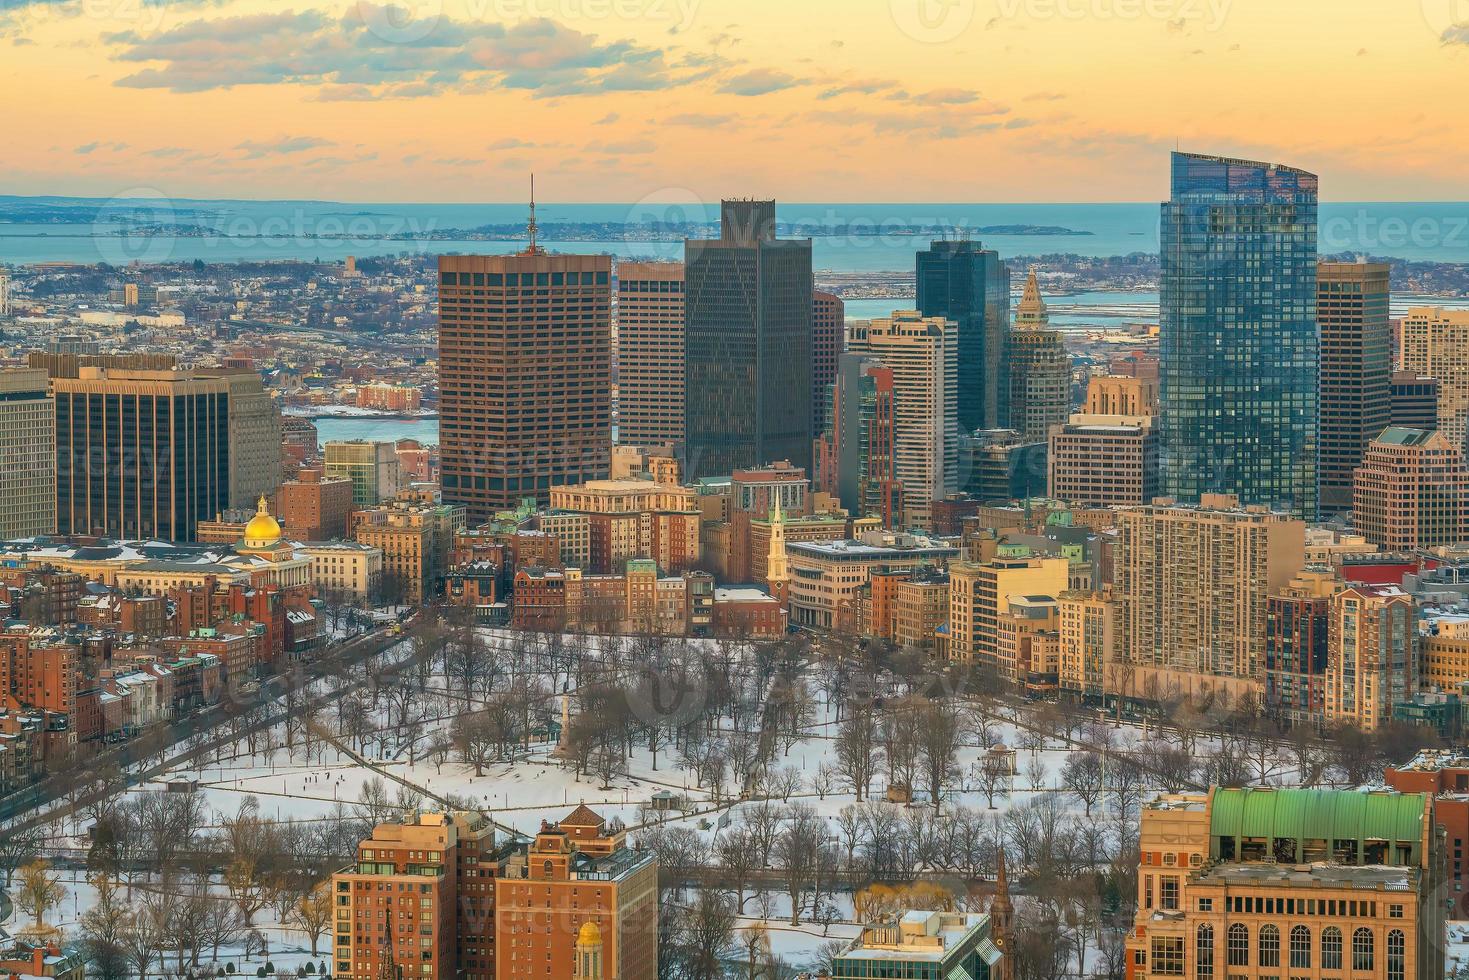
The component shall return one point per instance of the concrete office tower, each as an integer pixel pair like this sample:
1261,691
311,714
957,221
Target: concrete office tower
1038,368
525,376
1356,370
1412,491
371,466
862,438
1436,344
748,368
828,340
1192,584
140,454
1239,355
1414,401
28,448
1115,394
650,353
922,352
965,282
255,437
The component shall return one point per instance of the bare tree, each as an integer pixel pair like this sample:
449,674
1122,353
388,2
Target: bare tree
1084,774
857,751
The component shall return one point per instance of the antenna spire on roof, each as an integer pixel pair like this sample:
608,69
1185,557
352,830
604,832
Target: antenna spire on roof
531,227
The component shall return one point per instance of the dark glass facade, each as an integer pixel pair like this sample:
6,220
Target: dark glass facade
965,282
140,461
1239,350
747,375
1356,370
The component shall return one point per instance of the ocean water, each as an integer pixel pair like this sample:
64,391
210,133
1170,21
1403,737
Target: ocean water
263,230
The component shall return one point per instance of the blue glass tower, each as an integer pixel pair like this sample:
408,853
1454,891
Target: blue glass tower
1239,348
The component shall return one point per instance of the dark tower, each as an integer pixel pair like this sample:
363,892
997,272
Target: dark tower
965,282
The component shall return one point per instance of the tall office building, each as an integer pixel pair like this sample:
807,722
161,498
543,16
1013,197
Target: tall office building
1412,491
1356,370
828,340
650,353
923,356
525,376
748,368
965,282
1435,342
255,437
1238,333
140,454
371,466
859,446
28,447
1192,584
1038,369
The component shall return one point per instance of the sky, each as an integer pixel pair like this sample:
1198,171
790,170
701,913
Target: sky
801,100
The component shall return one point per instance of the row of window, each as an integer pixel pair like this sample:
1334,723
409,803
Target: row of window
1167,952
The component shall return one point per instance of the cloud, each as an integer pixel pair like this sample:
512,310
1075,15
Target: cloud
375,51
608,119
699,120
96,145
759,81
944,96
862,86
624,147
254,149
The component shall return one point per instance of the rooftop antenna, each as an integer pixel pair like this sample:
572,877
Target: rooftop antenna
531,227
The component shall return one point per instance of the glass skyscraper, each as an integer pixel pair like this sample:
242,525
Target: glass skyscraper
1239,347
965,282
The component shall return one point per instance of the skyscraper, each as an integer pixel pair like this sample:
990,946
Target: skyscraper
525,376
140,454
28,447
1238,332
650,353
255,436
828,334
1038,370
1436,344
1412,491
861,440
965,282
922,354
1356,370
748,368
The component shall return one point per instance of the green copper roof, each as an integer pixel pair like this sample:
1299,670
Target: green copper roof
1317,814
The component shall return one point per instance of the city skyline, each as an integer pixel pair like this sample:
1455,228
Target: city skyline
1075,100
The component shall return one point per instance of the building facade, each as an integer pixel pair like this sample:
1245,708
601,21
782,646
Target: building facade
747,378
967,283
1435,343
140,454
1239,353
1412,491
1038,395
828,340
923,355
371,468
1356,370
525,376
1372,655
650,353
28,446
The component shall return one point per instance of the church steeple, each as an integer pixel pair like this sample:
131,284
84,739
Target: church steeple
777,569
1031,313
1002,923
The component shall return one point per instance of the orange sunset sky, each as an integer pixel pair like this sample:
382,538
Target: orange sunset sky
805,100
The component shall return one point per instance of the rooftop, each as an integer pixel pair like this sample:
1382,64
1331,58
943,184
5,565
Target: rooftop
1377,877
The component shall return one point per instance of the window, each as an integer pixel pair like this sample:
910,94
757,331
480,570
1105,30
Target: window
1331,948
1396,953
1238,945
1362,949
1204,952
1168,893
1300,948
1269,946
1167,956
1206,905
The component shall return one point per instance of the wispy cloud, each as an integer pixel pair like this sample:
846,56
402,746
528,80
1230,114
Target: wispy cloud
759,81
255,149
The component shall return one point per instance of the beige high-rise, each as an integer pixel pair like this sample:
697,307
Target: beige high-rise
650,353
28,448
1192,584
923,354
255,437
1435,343
1372,655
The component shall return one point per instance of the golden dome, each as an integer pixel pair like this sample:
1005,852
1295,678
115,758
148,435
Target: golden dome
263,530
590,935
